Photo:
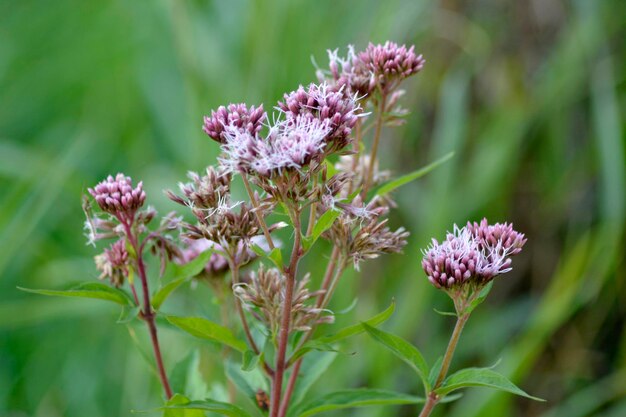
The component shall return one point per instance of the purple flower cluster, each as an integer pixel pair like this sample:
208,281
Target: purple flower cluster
378,66
475,254
117,196
290,145
326,104
237,116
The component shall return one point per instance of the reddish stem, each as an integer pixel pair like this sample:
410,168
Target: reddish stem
286,320
290,387
147,313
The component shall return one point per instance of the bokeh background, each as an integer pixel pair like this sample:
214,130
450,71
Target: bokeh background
529,94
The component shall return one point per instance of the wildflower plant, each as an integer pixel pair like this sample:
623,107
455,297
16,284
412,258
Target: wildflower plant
313,164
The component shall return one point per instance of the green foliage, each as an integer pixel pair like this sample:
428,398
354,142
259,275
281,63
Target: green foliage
538,134
206,329
326,343
403,350
355,398
322,224
274,255
179,406
480,377
95,290
392,185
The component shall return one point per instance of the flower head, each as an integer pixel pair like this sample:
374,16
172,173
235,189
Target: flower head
379,65
388,63
235,115
473,254
290,145
113,263
326,104
117,196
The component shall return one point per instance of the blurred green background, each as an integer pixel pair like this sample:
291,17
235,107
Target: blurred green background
530,95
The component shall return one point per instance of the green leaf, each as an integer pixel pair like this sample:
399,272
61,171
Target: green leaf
250,360
190,269
275,255
128,314
480,377
324,343
322,224
180,400
403,350
95,290
445,313
313,366
405,179
355,398
247,382
481,297
358,328
164,292
218,407
434,371
206,329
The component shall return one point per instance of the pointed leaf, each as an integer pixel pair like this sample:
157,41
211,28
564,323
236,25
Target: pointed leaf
165,291
324,343
275,255
128,314
218,407
481,377
247,382
358,328
190,269
355,398
481,297
313,366
405,179
250,360
206,329
180,400
403,350
322,224
95,290
434,371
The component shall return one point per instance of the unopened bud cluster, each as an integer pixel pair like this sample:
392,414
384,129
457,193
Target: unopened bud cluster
474,254
263,294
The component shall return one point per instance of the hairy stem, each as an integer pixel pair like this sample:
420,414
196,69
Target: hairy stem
147,313
259,217
374,152
286,318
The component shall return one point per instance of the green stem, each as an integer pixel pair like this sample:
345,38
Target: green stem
433,398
